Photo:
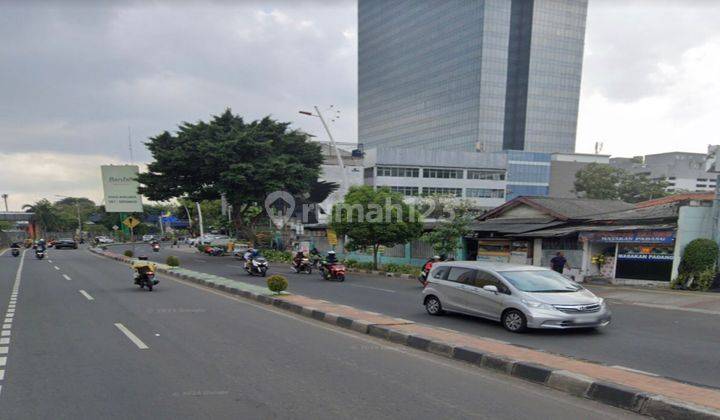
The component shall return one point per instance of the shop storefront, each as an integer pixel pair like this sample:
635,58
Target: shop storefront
505,250
635,254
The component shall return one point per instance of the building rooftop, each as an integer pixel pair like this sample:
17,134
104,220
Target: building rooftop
562,208
675,198
434,158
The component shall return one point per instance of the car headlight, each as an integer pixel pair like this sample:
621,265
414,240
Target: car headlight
538,305
601,301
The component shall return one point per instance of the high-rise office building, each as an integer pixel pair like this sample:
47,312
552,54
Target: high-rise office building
482,75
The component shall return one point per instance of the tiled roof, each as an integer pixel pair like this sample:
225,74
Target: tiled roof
676,198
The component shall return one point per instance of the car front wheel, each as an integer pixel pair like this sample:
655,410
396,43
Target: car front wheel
514,321
433,306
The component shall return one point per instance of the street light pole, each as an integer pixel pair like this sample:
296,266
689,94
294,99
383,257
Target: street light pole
332,143
5,197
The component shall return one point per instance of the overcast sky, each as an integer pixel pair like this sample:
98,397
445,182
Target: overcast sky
75,76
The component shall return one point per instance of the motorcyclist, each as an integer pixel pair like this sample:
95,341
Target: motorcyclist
142,267
41,245
297,260
329,260
15,245
250,255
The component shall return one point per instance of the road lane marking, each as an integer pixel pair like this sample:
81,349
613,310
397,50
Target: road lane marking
50,261
3,361
4,340
86,294
5,333
370,287
8,318
199,260
3,350
57,268
66,277
138,342
7,326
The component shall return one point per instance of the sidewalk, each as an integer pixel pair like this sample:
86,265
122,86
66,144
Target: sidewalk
679,300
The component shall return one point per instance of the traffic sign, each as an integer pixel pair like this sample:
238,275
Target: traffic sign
131,222
116,227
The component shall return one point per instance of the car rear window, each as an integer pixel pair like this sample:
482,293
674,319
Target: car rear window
461,275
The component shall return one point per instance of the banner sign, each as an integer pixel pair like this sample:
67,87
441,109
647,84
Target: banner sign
121,189
631,237
646,257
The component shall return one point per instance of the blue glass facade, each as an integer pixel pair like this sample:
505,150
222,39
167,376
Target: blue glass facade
528,173
484,75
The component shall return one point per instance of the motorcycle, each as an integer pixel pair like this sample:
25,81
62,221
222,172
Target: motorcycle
316,261
335,271
257,266
145,274
39,254
15,252
303,266
156,247
216,251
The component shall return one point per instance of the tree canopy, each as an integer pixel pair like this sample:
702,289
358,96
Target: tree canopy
454,223
606,182
371,218
245,161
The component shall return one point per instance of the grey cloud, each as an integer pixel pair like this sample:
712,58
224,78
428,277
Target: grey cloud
74,77
628,40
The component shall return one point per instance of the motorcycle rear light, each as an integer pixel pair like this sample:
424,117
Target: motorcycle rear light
150,273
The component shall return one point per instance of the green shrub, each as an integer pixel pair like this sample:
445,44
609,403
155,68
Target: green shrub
200,247
699,255
128,253
365,265
277,256
350,263
172,261
277,283
704,279
401,268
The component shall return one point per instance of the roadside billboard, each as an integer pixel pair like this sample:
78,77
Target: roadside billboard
120,189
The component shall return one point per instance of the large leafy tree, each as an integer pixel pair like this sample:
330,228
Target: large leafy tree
598,181
371,218
634,188
245,161
45,216
605,182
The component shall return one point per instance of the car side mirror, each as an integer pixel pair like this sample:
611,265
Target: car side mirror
490,288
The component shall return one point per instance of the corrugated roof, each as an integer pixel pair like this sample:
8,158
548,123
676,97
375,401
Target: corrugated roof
513,225
667,211
549,233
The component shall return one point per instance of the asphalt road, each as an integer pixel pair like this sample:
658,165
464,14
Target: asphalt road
84,342
675,344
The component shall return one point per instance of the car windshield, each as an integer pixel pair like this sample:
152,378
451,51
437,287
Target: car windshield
540,281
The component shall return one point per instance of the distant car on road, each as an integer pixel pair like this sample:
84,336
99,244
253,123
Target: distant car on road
148,238
104,240
519,296
66,243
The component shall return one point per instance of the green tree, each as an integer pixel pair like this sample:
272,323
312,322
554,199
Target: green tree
45,216
598,181
371,218
246,161
454,224
636,188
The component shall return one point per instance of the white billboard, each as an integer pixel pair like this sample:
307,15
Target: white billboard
121,189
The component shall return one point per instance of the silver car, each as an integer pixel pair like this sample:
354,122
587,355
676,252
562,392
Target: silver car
519,296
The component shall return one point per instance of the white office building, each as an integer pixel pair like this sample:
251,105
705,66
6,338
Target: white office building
478,177
684,172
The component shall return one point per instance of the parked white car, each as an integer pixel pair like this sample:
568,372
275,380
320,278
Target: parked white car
104,240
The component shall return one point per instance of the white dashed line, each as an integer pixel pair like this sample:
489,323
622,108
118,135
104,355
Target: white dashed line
57,268
7,324
138,342
373,288
66,277
86,294
50,261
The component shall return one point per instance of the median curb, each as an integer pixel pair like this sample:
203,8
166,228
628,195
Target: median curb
496,356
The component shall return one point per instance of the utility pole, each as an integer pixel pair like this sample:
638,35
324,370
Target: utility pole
5,197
